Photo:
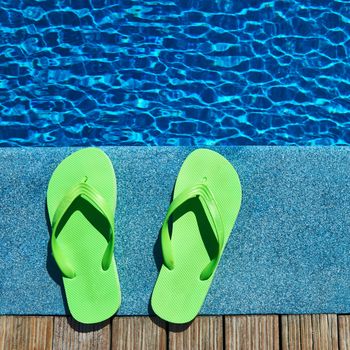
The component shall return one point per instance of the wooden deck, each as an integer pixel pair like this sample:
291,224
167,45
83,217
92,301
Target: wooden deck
219,332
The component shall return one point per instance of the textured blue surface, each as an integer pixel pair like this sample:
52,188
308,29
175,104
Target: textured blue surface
289,252
188,72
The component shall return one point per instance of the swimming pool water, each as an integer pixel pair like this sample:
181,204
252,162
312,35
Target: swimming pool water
187,72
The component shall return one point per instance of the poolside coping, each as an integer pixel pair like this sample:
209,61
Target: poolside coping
288,253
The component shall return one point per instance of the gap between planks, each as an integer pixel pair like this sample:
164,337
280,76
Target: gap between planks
124,333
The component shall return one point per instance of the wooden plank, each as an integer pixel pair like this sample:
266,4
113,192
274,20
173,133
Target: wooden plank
130,333
203,333
252,332
344,332
304,332
71,335
26,332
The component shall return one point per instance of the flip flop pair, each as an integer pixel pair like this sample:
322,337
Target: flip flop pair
81,202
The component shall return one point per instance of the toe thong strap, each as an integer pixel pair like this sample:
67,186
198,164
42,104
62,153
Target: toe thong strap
91,195
203,193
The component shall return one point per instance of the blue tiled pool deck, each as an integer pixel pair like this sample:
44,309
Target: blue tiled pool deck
188,72
288,252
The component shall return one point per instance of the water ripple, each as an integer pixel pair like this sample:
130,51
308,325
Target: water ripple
189,72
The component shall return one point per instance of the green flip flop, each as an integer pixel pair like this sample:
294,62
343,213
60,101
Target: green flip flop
206,201
81,201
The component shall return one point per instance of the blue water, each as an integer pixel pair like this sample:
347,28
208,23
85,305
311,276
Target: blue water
187,72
